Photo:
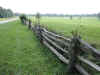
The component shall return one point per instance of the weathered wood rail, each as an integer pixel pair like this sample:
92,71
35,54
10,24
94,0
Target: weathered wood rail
73,51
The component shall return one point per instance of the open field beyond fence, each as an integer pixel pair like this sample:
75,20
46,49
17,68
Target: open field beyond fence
89,27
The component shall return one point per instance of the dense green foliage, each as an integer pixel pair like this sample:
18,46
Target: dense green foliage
4,13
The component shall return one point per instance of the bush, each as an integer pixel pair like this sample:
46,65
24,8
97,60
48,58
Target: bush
23,18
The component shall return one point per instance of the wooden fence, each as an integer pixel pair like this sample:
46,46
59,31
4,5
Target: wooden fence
76,53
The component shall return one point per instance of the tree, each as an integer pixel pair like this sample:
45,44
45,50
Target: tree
38,18
9,12
1,12
71,17
23,18
4,13
98,15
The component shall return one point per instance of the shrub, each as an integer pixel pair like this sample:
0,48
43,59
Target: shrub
23,18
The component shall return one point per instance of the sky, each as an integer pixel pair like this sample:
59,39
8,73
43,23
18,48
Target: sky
52,6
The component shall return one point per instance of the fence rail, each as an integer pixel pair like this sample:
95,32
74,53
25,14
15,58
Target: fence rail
74,48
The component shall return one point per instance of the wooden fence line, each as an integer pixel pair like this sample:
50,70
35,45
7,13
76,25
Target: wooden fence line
66,61
80,58
72,47
56,35
89,48
56,45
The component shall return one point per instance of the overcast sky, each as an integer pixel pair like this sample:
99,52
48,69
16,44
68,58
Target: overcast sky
53,6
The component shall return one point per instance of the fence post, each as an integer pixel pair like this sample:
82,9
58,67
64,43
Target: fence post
30,23
24,21
39,32
74,51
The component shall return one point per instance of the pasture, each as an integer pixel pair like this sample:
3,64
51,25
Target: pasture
88,27
21,52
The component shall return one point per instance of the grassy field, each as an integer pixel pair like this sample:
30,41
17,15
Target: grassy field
1,19
89,28
21,52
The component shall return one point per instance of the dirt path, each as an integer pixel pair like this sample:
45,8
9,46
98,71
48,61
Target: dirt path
9,20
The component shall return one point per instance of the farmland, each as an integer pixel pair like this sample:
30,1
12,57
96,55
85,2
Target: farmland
21,52
88,27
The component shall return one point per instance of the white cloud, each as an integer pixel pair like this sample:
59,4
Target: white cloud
52,6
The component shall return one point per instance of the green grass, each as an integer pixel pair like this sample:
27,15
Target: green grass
22,53
1,19
89,28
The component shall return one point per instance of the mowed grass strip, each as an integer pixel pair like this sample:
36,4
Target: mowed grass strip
21,53
1,19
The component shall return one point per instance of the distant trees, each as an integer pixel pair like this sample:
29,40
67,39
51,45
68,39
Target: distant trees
38,18
71,17
98,15
68,15
4,13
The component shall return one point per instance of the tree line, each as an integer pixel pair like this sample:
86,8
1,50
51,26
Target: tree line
5,13
68,15
71,16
